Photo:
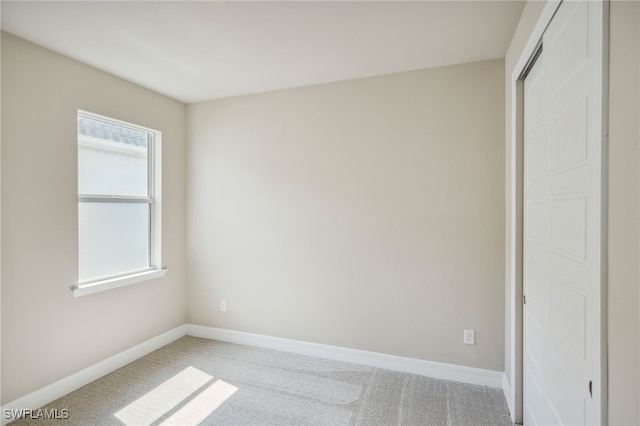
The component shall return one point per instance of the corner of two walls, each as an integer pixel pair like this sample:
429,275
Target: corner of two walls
366,214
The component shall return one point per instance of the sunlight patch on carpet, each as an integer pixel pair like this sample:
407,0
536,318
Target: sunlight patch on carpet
200,407
159,401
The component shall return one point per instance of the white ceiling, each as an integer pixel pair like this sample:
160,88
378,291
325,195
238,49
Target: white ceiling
194,51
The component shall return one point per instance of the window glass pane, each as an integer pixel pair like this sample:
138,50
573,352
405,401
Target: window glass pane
112,159
113,238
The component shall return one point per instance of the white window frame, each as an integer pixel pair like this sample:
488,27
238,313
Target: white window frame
154,200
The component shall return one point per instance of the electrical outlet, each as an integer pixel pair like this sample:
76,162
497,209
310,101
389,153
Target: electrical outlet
223,306
469,337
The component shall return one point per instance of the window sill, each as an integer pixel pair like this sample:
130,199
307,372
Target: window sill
98,286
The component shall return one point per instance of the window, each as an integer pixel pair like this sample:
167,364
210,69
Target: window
119,225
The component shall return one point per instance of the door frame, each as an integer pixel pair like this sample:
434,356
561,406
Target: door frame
514,215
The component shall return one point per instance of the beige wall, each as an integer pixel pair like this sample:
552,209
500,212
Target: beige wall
623,319
365,214
47,334
0,215
624,214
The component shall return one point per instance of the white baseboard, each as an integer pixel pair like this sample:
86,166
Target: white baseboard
508,395
458,373
62,387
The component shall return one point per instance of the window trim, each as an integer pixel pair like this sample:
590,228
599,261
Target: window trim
103,285
154,200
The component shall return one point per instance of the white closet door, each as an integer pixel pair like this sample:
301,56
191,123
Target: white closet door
562,221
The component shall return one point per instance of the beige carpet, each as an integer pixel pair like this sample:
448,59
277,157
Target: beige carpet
198,381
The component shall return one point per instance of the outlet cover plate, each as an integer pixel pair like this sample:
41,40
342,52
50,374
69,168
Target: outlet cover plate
469,337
